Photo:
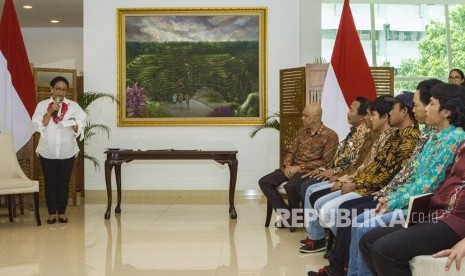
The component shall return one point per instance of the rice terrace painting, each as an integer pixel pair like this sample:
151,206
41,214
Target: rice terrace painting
201,66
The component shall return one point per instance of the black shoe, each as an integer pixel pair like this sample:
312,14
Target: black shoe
312,246
322,272
327,254
63,220
303,242
51,220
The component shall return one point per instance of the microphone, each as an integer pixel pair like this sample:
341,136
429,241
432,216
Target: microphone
55,113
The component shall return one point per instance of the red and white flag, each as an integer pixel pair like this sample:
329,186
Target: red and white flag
348,76
17,95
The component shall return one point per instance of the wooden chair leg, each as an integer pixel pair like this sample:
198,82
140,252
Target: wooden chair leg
21,204
269,211
13,202
36,208
10,203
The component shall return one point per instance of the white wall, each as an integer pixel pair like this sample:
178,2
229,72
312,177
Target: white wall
54,47
310,31
257,156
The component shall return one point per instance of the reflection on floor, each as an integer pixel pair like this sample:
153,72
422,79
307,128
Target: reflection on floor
151,239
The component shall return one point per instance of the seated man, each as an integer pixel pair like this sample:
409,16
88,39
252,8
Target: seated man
446,113
388,250
313,147
388,161
379,108
339,256
348,150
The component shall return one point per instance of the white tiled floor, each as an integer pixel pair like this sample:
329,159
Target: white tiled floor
151,239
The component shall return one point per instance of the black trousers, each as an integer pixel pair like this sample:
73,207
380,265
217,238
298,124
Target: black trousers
388,250
340,253
271,181
57,173
316,195
302,190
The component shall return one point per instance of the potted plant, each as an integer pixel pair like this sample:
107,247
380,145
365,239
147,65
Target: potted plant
270,122
84,100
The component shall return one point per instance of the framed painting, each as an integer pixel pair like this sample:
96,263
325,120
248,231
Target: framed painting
191,66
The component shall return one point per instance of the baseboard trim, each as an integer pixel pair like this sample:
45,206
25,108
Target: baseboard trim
176,197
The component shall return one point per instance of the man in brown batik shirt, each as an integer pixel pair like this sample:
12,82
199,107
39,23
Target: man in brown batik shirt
313,147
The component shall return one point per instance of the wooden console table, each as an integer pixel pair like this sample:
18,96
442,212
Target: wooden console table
116,157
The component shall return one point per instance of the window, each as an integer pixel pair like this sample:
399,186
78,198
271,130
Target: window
410,37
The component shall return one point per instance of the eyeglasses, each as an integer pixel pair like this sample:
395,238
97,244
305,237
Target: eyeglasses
64,90
455,78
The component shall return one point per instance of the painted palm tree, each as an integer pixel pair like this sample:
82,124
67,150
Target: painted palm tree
90,130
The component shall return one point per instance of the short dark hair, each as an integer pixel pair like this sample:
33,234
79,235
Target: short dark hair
382,106
409,109
425,89
364,103
57,79
452,98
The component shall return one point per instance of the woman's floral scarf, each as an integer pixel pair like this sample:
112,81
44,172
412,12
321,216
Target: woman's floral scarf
55,117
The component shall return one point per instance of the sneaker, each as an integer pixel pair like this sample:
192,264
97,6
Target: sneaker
312,246
303,242
322,272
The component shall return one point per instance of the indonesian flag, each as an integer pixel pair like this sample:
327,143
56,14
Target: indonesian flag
348,76
17,95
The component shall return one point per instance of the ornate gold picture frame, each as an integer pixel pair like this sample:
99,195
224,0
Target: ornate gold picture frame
191,66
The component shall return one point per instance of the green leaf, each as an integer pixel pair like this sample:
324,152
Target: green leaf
270,122
90,129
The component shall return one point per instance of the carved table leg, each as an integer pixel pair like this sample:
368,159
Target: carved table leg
118,187
232,187
108,168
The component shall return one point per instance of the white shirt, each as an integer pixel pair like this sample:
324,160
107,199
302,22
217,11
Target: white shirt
57,141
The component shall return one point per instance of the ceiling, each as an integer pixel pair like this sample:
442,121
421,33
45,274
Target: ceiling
68,12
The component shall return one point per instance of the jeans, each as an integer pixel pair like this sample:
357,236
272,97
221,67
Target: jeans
339,257
317,233
316,227
366,222
328,206
302,190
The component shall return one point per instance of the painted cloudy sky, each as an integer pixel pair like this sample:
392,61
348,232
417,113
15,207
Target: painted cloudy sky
192,28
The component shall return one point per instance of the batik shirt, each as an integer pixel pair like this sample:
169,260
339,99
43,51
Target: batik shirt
312,150
370,158
389,160
349,148
370,139
407,171
429,168
448,201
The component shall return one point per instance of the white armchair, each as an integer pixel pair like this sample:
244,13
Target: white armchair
427,265
12,178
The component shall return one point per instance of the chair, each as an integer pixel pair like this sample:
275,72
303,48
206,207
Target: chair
427,265
292,102
12,178
269,208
